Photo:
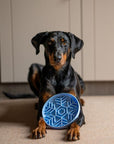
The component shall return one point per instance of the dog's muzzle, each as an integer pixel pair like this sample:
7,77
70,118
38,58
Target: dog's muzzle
57,56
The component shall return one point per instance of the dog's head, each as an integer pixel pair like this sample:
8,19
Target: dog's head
58,46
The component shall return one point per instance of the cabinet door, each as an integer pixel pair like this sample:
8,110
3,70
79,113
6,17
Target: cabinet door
98,34
26,18
6,58
29,18
104,25
75,23
89,40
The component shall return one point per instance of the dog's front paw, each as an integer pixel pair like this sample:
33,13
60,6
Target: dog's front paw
82,102
40,131
73,133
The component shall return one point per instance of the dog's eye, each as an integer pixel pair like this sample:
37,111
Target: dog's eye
62,40
64,43
51,41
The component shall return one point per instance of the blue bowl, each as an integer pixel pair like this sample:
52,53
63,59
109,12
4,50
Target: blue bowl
61,110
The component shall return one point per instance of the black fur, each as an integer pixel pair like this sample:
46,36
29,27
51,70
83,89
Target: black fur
56,77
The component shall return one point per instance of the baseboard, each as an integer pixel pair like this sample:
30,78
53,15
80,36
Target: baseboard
99,88
92,88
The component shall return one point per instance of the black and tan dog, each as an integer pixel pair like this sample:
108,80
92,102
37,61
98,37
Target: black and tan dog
57,76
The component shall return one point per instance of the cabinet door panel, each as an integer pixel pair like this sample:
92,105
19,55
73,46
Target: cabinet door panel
88,37
104,31
6,59
29,18
75,27
98,34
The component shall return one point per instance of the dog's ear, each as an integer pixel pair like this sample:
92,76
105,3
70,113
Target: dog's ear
39,39
76,44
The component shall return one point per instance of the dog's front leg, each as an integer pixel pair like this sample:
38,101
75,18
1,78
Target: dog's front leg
73,132
40,130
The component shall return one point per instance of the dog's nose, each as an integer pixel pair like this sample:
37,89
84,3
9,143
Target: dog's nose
57,57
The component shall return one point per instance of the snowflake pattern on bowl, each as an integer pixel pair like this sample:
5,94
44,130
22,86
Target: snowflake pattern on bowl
61,110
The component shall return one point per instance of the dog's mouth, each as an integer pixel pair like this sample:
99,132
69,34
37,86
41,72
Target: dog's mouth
57,63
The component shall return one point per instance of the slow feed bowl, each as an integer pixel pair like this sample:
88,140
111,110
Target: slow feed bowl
61,110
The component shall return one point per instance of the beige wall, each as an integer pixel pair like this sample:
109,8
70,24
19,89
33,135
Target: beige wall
91,20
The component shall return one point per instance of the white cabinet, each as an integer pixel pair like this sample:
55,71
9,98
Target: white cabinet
93,20
98,34
6,49
21,20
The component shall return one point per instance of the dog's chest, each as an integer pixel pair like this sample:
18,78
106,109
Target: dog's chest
60,83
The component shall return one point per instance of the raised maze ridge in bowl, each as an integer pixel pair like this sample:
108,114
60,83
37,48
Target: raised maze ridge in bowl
60,111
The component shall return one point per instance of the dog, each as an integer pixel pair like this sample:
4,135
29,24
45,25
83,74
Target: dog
57,76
